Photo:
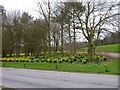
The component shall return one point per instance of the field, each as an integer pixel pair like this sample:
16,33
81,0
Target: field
106,67
106,48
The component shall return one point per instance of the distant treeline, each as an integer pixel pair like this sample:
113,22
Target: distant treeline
110,38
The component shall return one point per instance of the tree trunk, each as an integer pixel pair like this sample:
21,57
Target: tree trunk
91,45
61,37
17,52
74,42
26,51
56,49
74,51
69,38
11,52
90,50
4,53
49,31
44,46
37,50
54,38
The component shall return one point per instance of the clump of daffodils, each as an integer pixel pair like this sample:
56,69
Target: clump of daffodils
13,59
83,58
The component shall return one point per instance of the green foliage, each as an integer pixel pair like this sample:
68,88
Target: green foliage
106,48
99,59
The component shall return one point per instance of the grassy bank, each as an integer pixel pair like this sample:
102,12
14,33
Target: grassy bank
111,65
106,48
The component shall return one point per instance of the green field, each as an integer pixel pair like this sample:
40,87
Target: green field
106,48
112,66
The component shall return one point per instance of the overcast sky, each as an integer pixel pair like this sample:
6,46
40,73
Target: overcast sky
24,5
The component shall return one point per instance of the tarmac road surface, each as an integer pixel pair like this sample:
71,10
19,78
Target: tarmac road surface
27,78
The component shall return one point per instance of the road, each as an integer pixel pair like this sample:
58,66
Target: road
27,78
109,54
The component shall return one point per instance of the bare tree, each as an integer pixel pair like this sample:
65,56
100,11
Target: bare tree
94,21
47,16
73,8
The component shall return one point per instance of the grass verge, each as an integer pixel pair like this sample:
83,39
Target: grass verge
109,67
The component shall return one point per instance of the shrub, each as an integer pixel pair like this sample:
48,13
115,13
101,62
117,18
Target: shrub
84,60
105,58
66,60
27,61
70,61
16,61
31,61
74,59
55,61
49,60
60,61
42,60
